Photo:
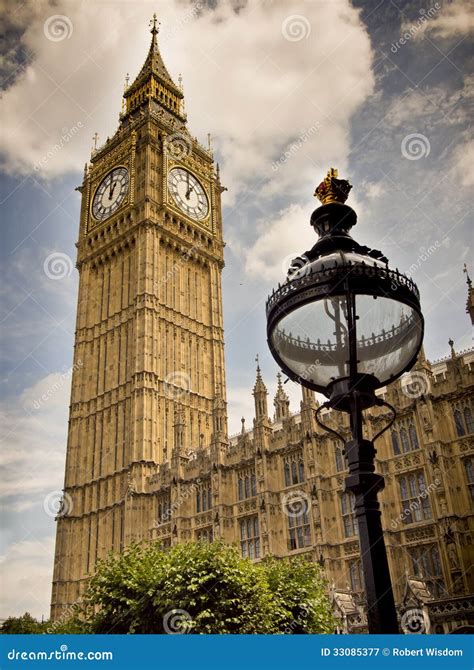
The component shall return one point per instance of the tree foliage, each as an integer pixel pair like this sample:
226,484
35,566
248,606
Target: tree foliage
22,625
202,588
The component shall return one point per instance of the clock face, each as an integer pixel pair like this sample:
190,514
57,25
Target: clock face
188,193
110,194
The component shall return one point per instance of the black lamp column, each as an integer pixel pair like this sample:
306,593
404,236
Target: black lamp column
344,324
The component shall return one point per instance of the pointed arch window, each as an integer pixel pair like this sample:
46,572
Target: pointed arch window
294,468
404,440
468,420
469,468
348,515
247,483
395,443
459,423
340,464
413,437
415,501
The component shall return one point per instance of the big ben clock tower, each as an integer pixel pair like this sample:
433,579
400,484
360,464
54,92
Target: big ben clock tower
149,348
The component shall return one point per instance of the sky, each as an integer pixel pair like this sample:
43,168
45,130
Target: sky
380,90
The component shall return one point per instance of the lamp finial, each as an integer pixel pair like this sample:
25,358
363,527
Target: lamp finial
332,189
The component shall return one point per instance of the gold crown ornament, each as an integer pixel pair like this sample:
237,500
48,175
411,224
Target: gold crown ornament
332,189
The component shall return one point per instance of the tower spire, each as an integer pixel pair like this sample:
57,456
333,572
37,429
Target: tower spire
281,401
470,295
154,85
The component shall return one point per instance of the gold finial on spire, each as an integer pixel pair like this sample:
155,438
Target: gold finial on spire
332,189
127,81
468,279
155,25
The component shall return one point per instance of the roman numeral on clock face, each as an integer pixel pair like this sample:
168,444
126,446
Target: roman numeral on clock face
188,193
110,193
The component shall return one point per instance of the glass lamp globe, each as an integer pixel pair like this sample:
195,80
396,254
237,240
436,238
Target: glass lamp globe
342,315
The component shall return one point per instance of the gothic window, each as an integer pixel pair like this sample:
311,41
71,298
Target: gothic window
469,467
395,443
468,420
458,420
404,440
294,469
415,502
340,460
203,497
425,562
247,483
413,436
250,537
348,516
163,509
463,420
298,526
204,534
355,576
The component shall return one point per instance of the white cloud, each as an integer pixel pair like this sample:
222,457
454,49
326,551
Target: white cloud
455,20
463,160
255,90
270,256
27,570
34,442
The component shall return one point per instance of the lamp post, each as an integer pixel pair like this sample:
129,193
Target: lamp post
345,325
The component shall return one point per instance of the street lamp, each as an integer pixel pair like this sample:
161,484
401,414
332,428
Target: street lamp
345,325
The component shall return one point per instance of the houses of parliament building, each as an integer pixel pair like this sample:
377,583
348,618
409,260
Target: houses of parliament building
148,453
